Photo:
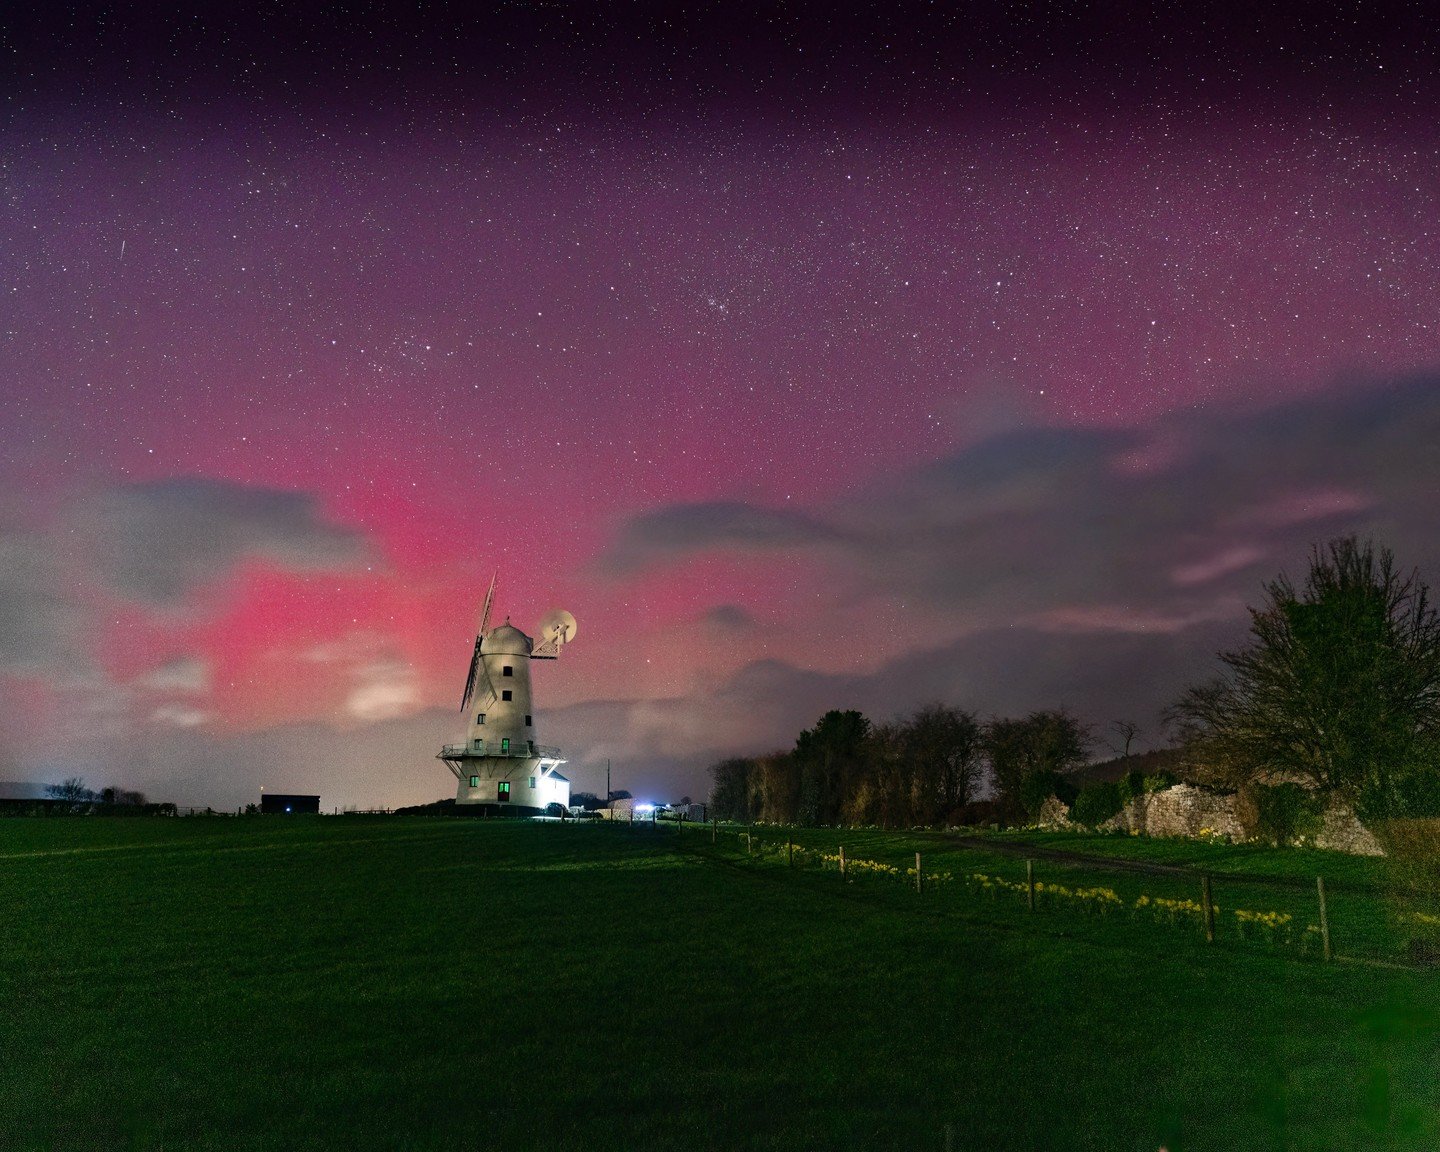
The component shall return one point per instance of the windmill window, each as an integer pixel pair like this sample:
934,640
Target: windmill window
507,671
479,718
532,782
474,781
505,747
502,792
527,721
505,695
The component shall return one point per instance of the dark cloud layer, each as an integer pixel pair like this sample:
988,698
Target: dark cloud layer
654,535
1075,524
38,629
155,544
160,541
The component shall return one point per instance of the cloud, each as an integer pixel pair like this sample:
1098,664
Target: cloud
655,536
383,690
40,629
728,619
1062,520
180,716
187,675
160,541
145,549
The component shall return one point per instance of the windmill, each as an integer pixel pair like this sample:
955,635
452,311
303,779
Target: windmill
500,761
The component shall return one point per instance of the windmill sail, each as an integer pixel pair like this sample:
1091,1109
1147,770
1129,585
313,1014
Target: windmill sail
470,679
489,600
477,666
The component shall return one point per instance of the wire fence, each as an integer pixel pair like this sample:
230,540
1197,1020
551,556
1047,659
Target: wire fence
1302,916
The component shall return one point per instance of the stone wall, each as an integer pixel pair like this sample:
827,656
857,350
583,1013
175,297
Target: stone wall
1054,815
1182,810
1341,831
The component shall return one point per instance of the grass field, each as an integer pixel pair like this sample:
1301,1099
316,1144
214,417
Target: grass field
410,983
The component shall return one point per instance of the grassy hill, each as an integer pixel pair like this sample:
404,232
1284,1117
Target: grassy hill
427,984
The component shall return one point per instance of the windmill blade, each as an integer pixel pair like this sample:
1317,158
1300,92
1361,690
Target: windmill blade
470,679
489,600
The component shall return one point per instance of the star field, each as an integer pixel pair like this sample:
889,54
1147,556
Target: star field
488,290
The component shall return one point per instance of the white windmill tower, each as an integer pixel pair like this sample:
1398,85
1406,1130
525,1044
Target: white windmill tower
501,762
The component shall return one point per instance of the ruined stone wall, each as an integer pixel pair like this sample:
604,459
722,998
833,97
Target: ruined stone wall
1341,831
1054,815
1183,810
1180,811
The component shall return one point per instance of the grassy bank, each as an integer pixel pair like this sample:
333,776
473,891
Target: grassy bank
392,983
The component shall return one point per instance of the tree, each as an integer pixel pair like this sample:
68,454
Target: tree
730,789
1125,731
1036,751
944,748
1339,686
72,789
830,756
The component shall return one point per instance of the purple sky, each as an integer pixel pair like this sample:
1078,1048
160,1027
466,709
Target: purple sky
811,360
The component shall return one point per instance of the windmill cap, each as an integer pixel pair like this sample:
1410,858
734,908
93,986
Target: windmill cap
506,640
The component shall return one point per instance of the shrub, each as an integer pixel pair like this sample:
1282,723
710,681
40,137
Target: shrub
1096,804
1412,793
975,814
1130,785
1160,781
1283,813
1038,787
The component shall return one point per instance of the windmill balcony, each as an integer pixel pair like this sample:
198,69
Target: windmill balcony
523,749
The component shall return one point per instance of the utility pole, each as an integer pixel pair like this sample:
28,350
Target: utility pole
608,793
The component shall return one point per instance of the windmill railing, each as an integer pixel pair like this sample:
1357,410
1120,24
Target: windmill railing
522,749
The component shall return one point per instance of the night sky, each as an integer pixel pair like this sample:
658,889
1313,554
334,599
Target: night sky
813,358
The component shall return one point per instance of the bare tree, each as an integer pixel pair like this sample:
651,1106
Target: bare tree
1126,731
72,789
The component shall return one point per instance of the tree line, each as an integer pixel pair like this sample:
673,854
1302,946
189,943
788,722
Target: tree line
1336,697
924,769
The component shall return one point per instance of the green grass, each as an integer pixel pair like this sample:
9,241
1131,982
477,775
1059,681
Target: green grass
410,983
1364,910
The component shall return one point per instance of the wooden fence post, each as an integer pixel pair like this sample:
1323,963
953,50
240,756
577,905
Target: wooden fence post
747,843
1030,884
842,861
918,884
1324,920
1209,906
713,830
789,852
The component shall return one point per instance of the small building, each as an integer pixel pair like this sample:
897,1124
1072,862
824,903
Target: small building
280,804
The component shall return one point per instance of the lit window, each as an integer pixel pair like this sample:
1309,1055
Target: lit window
480,718
505,744
507,671
505,695
502,791
474,781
